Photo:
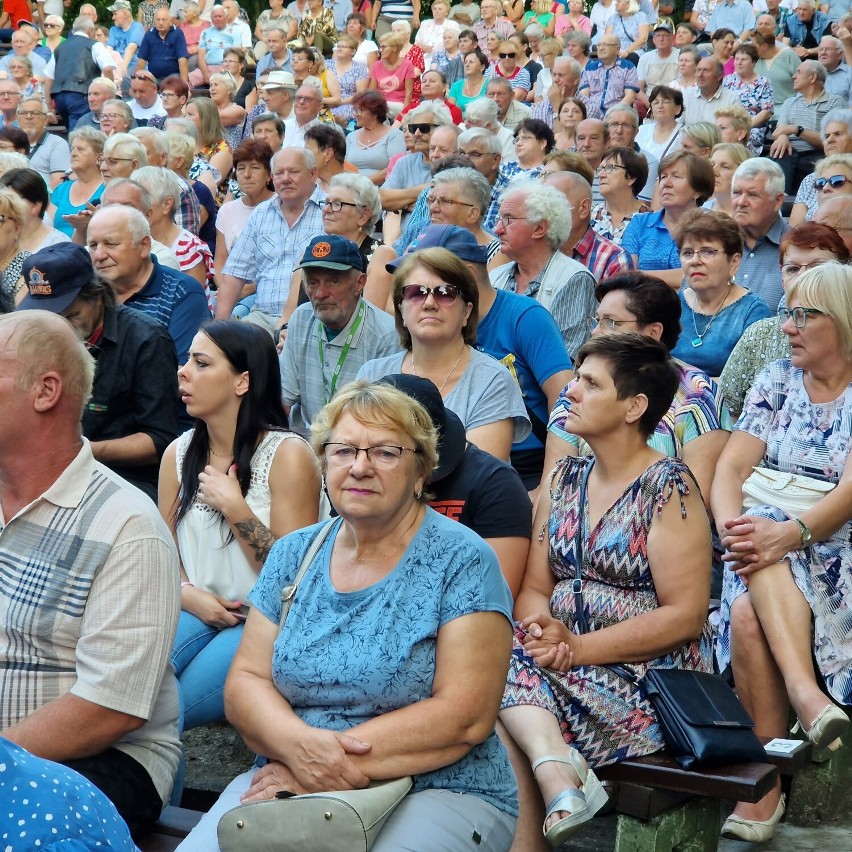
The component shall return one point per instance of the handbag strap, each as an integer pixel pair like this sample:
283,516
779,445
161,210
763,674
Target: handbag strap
289,592
579,603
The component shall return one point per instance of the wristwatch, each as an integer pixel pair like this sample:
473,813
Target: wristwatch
800,130
805,534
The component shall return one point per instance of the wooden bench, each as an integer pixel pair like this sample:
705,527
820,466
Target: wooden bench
662,807
173,826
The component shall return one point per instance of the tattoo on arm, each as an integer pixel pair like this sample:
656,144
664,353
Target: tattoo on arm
259,538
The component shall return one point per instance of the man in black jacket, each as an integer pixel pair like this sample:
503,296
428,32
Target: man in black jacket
132,415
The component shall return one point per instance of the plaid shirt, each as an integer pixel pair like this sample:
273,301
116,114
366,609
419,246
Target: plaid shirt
602,257
602,87
188,214
268,249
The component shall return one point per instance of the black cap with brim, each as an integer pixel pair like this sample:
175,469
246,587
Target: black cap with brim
452,438
54,277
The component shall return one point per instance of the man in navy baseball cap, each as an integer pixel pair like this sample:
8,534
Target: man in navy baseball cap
329,251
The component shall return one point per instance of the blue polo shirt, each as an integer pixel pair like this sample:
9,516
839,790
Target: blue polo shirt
162,54
649,239
520,333
176,301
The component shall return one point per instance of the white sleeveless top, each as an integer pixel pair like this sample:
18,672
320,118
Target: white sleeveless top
211,561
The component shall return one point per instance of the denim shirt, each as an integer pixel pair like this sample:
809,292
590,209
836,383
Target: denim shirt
798,31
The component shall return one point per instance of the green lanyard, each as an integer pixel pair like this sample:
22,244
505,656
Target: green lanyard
329,390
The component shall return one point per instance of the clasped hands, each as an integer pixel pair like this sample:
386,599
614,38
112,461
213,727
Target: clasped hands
320,762
754,543
549,642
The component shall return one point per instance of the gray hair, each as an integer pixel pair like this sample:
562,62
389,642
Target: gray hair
308,157
157,137
474,187
501,81
82,25
761,166
105,82
96,139
535,30
440,114
160,183
180,145
183,125
837,116
365,193
137,224
483,109
580,39
12,160
544,204
570,64
121,107
129,146
625,108
693,51
405,23
145,201
814,67
492,144
836,43
227,81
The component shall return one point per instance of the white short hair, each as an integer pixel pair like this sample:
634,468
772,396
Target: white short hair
483,109
760,166
137,224
161,183
439,112
543,204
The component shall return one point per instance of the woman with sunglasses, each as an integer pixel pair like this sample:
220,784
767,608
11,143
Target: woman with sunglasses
804,247
508,68
52,32
786,596
436,303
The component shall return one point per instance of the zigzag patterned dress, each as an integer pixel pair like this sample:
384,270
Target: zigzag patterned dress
602,715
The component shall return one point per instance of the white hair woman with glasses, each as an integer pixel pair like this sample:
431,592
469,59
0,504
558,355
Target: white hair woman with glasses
223,88
116,117
786,595
70,197
437,302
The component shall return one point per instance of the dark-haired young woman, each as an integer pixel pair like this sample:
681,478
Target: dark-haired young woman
228,489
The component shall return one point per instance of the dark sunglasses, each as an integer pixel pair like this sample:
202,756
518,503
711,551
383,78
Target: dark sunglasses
835,182
140,76
508,55
423,128
443,294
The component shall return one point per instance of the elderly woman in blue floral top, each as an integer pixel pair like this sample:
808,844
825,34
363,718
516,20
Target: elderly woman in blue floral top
393,658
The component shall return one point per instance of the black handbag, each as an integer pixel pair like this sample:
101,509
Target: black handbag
702,720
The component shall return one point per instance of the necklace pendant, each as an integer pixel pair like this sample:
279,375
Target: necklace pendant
696,342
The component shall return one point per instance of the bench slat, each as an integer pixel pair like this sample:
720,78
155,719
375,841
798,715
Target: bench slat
748,782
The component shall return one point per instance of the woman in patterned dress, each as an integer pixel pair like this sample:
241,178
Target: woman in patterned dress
645,542
351,76
754,92
786,597
228,488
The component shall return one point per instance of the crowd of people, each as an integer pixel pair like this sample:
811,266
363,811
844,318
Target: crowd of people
449,310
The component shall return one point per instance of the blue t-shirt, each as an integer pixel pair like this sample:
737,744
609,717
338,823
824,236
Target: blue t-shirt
649,239
48,806
119,39
520,333
718,343
61,200
346,657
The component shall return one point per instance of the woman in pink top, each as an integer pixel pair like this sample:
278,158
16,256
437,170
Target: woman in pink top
393,75
574,20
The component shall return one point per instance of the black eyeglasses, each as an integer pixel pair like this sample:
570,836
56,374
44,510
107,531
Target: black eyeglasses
835,182
443,294
335,206
422,128
799,315
508,55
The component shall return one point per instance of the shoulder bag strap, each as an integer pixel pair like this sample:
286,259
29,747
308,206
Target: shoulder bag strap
579,608
289,592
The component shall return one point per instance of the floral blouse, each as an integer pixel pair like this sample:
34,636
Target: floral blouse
755,97
322,23
602,223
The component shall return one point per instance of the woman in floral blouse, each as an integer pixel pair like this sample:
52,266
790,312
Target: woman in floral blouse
755,93
318,28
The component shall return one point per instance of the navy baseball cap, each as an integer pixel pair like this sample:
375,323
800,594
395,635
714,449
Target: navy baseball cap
330,251
459,241
452,438
54,277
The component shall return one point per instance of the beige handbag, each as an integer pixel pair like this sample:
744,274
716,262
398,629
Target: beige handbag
793,493
345,821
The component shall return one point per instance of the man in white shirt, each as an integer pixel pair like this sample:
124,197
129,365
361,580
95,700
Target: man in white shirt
146,102
232,10
307,104
658,67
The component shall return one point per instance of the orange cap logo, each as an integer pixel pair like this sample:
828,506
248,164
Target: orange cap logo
321,250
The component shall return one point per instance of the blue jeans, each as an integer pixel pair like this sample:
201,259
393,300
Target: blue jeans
202,656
